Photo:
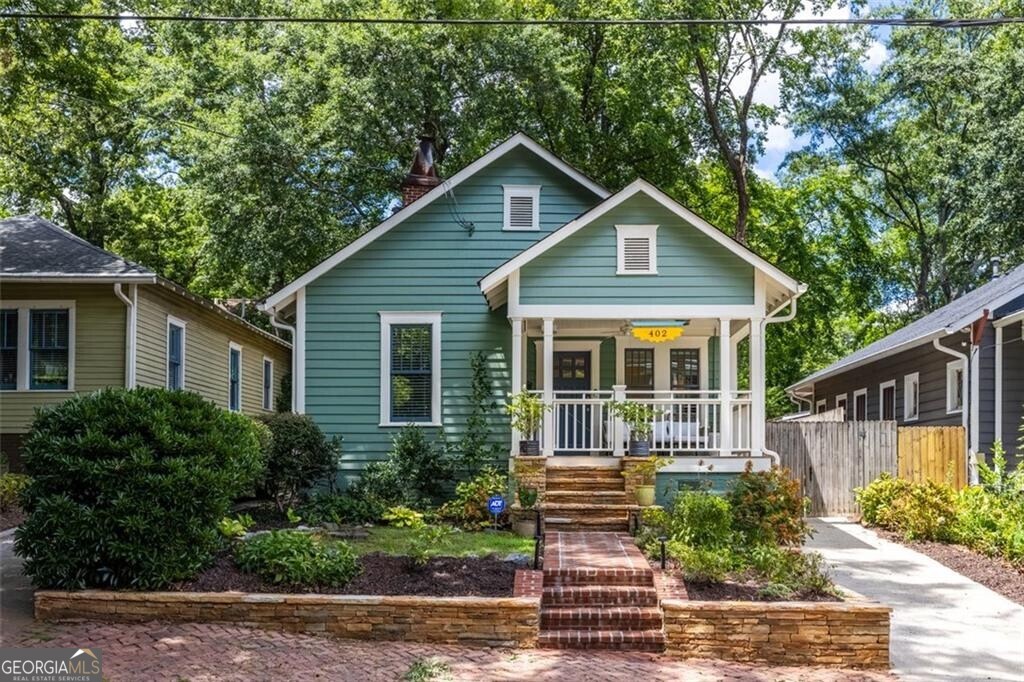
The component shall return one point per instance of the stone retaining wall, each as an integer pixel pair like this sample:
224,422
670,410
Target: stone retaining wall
475,621
849,634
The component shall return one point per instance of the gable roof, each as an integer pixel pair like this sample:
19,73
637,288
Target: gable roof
518,140
639,186
948,319
34,249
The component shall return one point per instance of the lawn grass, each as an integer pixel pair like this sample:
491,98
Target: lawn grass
460,544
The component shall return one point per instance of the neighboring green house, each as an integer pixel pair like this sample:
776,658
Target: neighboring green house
75,318
565,286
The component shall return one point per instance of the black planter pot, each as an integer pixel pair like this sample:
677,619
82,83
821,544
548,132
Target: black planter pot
639,448
529,448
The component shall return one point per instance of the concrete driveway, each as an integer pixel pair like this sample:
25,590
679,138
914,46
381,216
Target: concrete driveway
944,626
15,592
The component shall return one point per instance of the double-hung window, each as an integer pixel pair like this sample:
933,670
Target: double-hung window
49,349
638,365
37,346
9,349
911,397
235,377
175,354
684,367
887,400
410,368
955,387
268,383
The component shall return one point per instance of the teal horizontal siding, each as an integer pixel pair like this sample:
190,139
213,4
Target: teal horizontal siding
692,267
427,263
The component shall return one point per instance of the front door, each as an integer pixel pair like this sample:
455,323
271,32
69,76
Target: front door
572,380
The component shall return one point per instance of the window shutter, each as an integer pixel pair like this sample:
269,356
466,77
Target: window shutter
636,254
520,212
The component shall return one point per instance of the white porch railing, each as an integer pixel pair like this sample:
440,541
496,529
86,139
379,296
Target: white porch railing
687,422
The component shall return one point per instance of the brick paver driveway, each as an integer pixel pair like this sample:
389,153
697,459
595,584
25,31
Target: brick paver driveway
160,651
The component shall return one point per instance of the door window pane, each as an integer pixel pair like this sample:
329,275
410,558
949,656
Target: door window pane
685,369
48,349
639,369
8,349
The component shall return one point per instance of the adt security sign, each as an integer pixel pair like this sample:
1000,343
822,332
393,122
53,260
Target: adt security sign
496,504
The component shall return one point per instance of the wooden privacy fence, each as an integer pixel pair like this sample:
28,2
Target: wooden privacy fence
830,459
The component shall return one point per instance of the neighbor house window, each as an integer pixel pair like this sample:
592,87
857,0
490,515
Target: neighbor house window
638,364
522,207
410,368
637,247
9,349
887,400
841,403
955,386
268,383
860,404
911,397
820,406
49,349
175,354
684,367
235,378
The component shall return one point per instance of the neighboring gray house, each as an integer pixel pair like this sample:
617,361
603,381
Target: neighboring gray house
962,364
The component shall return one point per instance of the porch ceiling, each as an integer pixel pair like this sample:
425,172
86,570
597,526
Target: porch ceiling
597,327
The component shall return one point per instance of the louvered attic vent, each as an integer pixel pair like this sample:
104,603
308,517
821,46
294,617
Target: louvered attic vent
521,207
637,247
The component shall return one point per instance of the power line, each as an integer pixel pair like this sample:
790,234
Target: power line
238,19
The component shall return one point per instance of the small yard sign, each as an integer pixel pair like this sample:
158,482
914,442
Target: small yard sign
495,505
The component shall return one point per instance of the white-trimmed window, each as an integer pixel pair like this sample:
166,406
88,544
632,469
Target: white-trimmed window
268,383
175,353
637,247
522,207
820,406
37,346
911,397
954,386
887,400
841,403
860,404
234,377
410,368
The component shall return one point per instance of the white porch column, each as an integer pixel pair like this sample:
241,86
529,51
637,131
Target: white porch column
757,386
725,384
517,371
548,441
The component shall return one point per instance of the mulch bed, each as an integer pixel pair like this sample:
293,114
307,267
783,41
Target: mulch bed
994,573
382,574
737,591
11,518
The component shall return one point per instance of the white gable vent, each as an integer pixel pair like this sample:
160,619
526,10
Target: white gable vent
638,249
522,207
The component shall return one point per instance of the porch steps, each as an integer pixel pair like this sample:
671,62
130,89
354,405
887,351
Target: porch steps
585,498
584,523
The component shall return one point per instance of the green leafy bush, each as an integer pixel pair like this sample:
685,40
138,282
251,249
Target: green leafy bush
340,509
380,486
232,528
476,447
997,478
288,557
403,517
128,487
701,520
424,467
469,507
877,500
701,564
928,512
767,508
298,455
11,486
789,573
990,524
427,539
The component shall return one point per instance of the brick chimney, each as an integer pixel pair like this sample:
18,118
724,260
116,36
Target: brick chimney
422,177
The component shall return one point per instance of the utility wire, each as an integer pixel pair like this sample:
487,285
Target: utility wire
236,19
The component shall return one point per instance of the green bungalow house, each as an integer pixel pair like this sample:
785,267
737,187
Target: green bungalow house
577,293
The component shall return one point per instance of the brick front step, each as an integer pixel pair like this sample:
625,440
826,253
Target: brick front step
599,595
595,497
606,618
640,577
624,640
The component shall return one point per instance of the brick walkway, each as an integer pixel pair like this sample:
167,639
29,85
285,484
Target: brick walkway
198,653
592,550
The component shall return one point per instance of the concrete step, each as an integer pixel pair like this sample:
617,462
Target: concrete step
599,595
588,496
613,640
640,577
608,618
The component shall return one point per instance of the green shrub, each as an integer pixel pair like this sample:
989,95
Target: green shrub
11,486
298,455
789,573
701,520
701,565
340,509
380,486
128,487
286,557
767,508
990,524
426,540
476,447
469,507
999,480
927,512
877,500
403,517
233,528
424,467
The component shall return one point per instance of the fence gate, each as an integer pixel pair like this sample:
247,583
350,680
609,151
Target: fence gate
830,459
933,453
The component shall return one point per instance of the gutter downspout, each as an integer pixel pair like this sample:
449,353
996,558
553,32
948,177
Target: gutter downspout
277,324
129,331
776,459
972,469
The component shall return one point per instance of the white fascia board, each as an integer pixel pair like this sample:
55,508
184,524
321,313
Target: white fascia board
518,140
1009,319
496,276
970,318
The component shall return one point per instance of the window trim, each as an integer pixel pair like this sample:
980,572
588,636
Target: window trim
387,319
178,322
821,406
856,394
951,368
232,346
914,377
24,308
267,387
649,232
843,400
881,399
510,191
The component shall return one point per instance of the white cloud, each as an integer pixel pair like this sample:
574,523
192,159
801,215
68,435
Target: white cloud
876,56
779,137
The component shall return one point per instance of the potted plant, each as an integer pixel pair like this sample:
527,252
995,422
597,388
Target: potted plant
639,418
526,525
526,412
647,470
